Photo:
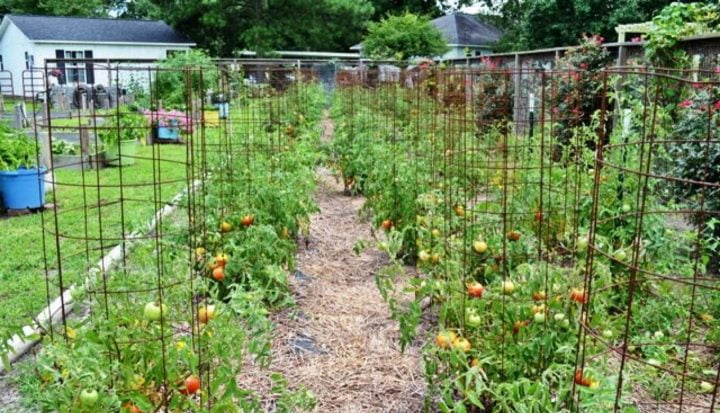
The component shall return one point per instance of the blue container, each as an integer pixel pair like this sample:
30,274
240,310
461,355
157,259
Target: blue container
224,109
23,188
171,133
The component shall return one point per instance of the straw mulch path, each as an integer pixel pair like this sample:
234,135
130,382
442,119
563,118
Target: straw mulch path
340,342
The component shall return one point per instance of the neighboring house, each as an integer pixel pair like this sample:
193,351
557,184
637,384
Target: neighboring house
464,33
27,41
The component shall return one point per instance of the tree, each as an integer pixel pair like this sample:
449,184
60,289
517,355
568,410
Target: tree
532,24
403,37
225,27
57,7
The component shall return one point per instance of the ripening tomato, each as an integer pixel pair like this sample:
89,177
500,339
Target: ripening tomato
539,296
225,226
190,386
387,225
514,235
578,295
508,287
538,216
518,325
218,274
445,339
581,380
221,259
462,344
538,309
131,408
206,313
200,253
247,220
475,289
480,246
459,210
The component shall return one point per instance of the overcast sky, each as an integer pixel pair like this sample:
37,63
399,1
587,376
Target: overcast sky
476,8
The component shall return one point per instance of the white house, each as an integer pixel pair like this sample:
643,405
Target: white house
28,41
464,34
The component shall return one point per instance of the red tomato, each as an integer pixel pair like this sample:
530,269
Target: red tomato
191,385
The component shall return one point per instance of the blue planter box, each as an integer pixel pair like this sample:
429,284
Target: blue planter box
171,133
23,188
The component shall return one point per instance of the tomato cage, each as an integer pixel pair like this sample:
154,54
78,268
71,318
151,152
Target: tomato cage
162,184
543,211
651,271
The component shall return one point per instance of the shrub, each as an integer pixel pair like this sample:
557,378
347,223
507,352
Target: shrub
404,37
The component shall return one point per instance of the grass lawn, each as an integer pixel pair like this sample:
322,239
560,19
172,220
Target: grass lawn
22,267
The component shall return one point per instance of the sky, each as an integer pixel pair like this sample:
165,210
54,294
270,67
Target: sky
477,7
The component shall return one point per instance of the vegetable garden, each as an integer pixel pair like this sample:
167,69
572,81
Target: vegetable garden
552,237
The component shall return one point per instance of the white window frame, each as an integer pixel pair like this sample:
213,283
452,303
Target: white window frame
75,72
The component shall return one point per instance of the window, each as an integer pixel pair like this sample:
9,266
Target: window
74,70
29,61
2,66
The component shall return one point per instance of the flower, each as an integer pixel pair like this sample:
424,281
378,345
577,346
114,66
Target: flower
637,39
717,105
686,103
583,65
172,118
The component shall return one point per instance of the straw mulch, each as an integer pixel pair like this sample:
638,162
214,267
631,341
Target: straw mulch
340,341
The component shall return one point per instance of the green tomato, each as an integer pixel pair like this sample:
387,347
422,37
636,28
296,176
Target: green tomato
620,255
706,387
473,319
559,317
582,244
607,333
626,208
88,397
153,312
539,317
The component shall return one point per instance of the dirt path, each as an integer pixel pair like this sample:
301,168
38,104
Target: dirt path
341,344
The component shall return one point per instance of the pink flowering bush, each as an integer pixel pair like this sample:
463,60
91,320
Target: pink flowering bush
169,118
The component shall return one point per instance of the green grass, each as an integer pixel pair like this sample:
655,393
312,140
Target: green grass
22,266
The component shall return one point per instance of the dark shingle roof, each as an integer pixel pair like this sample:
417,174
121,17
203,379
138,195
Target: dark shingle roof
85,29
460,28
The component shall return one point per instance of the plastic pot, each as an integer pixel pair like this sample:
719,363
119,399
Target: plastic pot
121,154
23,188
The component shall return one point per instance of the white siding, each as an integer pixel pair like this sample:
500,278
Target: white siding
459,52
13,45
103,76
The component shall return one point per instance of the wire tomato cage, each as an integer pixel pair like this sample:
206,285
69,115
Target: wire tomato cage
164,167
562,224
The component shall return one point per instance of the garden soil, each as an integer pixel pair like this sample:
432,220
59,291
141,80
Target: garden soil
340,342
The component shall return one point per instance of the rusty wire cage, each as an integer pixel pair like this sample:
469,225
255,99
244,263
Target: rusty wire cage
581,206
161,188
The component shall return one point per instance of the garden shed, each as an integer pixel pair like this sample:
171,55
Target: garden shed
29,41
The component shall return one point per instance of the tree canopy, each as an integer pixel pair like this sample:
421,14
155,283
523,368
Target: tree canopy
225,27
531,24
402,37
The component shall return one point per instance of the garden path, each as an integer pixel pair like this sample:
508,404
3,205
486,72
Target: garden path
340,341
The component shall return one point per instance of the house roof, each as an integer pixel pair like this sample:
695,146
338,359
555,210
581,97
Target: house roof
96,30
463,30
